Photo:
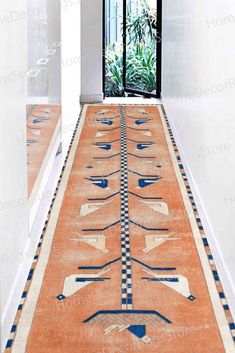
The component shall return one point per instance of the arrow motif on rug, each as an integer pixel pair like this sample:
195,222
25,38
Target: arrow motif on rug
102,183
97,241
89,208
143,183
160,207
75,283
104,146
154,241
142,146
105,122
178,283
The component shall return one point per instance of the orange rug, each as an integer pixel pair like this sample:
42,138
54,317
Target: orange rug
41,124
123,267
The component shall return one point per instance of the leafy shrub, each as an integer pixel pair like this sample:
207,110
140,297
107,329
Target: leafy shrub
141,55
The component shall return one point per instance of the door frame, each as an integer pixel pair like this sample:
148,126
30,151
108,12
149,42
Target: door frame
158,52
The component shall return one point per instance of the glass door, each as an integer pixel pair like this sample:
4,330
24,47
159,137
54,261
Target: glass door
142,47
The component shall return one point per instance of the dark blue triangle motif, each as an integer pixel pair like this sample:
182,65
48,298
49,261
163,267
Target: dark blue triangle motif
146,182
140,122
102,183
105,147
142,146
106,122
39,120
138,330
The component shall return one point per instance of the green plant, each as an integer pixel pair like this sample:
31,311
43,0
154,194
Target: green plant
141,55
114,73
141,69
141,28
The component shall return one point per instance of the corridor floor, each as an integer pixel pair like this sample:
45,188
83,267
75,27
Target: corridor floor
124,265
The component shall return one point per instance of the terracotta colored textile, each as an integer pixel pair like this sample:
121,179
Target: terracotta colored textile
124,273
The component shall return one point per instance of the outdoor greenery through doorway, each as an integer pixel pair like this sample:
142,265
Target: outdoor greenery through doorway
141,53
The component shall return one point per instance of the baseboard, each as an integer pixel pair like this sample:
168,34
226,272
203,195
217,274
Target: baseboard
224,274
8,316
91,98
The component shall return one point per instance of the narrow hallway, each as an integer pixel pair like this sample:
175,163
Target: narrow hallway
117,194
124,264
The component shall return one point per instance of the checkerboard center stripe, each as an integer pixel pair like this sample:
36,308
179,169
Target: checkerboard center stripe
124,221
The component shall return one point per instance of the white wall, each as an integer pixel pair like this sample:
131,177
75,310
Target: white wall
54,38
199,95
91,27
37,28
71,67
44,34
16,247
13,176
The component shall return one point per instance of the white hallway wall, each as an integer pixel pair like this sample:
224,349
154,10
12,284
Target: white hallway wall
91,49
54,66
13,176
15,257
71,67
199,94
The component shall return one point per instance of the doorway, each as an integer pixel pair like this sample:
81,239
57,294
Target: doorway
132,48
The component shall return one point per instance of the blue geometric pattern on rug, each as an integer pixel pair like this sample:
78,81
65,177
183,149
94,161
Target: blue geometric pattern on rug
146,182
